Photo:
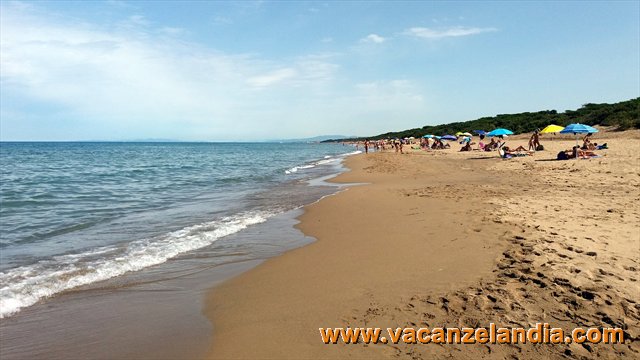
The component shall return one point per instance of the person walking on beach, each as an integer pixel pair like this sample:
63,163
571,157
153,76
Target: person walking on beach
398,145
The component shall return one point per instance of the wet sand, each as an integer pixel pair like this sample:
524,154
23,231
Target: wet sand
445,238
151,314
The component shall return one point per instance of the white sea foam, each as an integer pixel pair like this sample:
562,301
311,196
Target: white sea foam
326,160
296,168
26,285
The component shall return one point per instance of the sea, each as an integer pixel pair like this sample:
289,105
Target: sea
108,248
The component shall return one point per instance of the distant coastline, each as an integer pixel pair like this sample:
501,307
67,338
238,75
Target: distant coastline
320,138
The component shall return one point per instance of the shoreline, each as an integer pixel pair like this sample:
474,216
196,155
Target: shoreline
382,259
115,312
331,281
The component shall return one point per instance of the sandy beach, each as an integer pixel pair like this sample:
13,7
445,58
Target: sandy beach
444,238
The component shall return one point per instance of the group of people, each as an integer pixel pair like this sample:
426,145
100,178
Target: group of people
584,151
376,145
575,153
588,145
435,144
490,146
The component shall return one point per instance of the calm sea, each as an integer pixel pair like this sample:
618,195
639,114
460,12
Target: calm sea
75,214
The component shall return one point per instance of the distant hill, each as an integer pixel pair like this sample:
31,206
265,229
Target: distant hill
153,140
320,138
623,115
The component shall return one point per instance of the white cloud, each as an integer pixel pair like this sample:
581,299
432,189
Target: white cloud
458,31
134,77
272,78
129,79
373,38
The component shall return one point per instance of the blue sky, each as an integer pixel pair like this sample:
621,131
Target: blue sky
256,70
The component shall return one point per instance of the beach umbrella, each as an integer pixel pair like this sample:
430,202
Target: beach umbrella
467,134
479,132
459,133
578,129
551,129
428,136
500,131
449,137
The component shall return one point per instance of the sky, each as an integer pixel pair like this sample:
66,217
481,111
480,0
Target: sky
261,70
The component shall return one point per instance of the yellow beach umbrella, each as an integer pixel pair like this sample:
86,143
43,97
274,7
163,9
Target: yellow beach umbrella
551,129
459,133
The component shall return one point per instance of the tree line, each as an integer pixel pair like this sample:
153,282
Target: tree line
623,115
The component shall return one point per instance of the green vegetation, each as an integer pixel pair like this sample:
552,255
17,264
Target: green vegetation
623,115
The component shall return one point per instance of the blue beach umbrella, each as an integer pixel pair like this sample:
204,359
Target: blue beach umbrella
428,136
449,137
499,132
479,132
578,129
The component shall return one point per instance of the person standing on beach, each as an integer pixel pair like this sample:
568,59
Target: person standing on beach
534,141
366,146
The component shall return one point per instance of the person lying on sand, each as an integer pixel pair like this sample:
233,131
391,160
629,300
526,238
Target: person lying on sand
517,151
519,148
594,146
575,153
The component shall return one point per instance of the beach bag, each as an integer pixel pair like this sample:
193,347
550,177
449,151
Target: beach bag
539,147
562,156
